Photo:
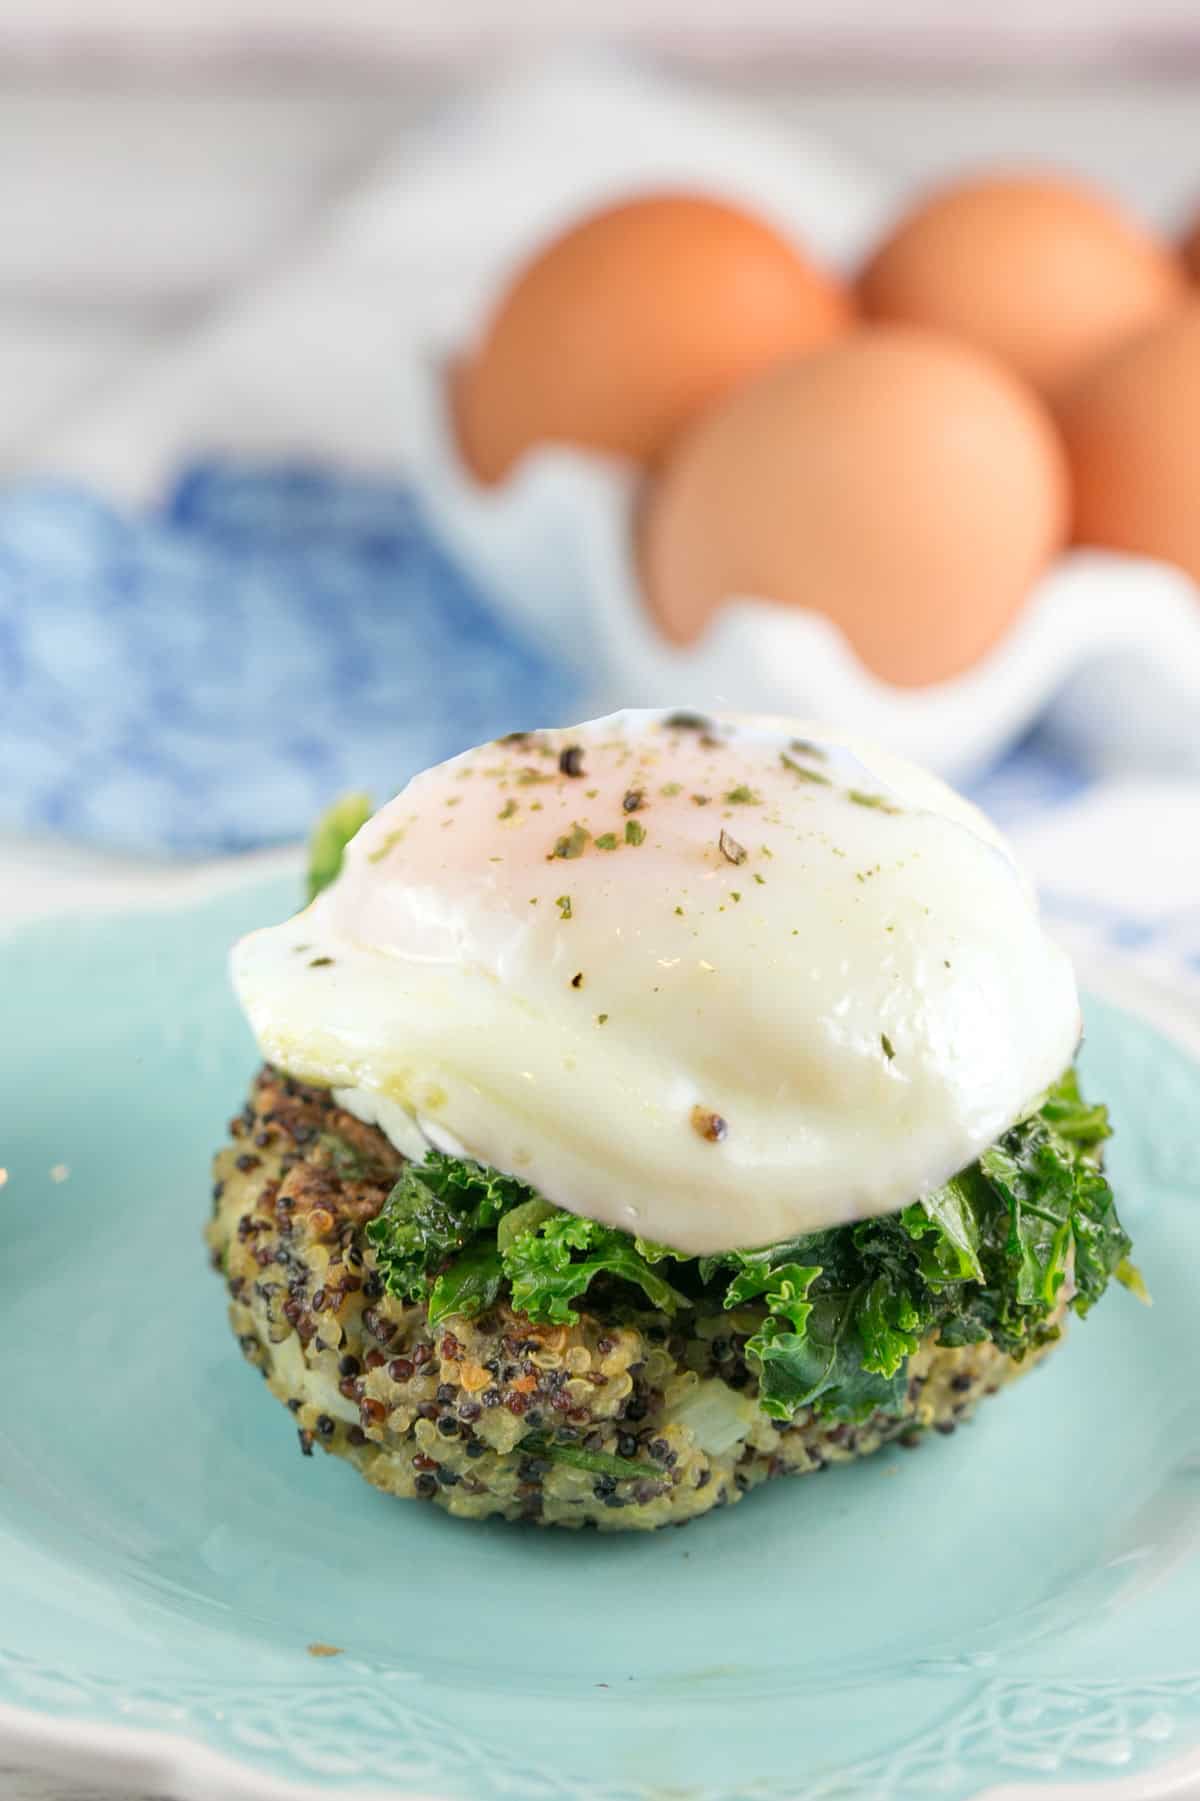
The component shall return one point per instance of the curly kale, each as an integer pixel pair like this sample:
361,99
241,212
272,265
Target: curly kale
994,1255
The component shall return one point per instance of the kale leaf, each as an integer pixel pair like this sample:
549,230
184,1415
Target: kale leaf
330,836
831,1318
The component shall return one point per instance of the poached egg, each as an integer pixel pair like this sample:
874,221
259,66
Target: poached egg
716,982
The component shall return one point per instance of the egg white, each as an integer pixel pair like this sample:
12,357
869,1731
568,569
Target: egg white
718,988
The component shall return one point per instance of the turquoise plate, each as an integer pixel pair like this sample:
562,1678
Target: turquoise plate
1017,1604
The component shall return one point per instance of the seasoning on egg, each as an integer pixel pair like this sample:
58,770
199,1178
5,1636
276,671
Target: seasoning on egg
573,843
709,1125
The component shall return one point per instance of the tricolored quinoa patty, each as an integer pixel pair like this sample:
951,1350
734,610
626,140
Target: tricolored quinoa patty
495,1415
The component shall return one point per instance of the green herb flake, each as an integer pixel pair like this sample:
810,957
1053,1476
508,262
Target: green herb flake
742,796
635,832
760,879
597,1463
573,843
563,903
889,1049
806,775
387,845
348,1161
876,801
671,789
607,841
508,810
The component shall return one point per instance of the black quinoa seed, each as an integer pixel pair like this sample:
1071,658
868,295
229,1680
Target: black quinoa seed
447,1478
962,1382
426,1487
306,1441
604,1486
349,1365
448,1427
325,1425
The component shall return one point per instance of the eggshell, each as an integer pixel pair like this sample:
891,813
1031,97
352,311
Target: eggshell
1043,272
1132,431
899,482
628,326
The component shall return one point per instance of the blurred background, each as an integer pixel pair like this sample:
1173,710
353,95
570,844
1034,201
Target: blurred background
380,379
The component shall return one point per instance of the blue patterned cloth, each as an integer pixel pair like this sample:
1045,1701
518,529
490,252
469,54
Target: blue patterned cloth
205,677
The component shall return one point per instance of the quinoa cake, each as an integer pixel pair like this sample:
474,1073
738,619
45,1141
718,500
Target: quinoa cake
651,1109
646,1422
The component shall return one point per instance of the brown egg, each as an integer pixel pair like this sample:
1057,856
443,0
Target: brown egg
900,482
1132,431
1042,272
631,324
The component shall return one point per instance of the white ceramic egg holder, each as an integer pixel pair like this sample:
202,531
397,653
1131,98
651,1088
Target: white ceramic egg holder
1110,644
1107,646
